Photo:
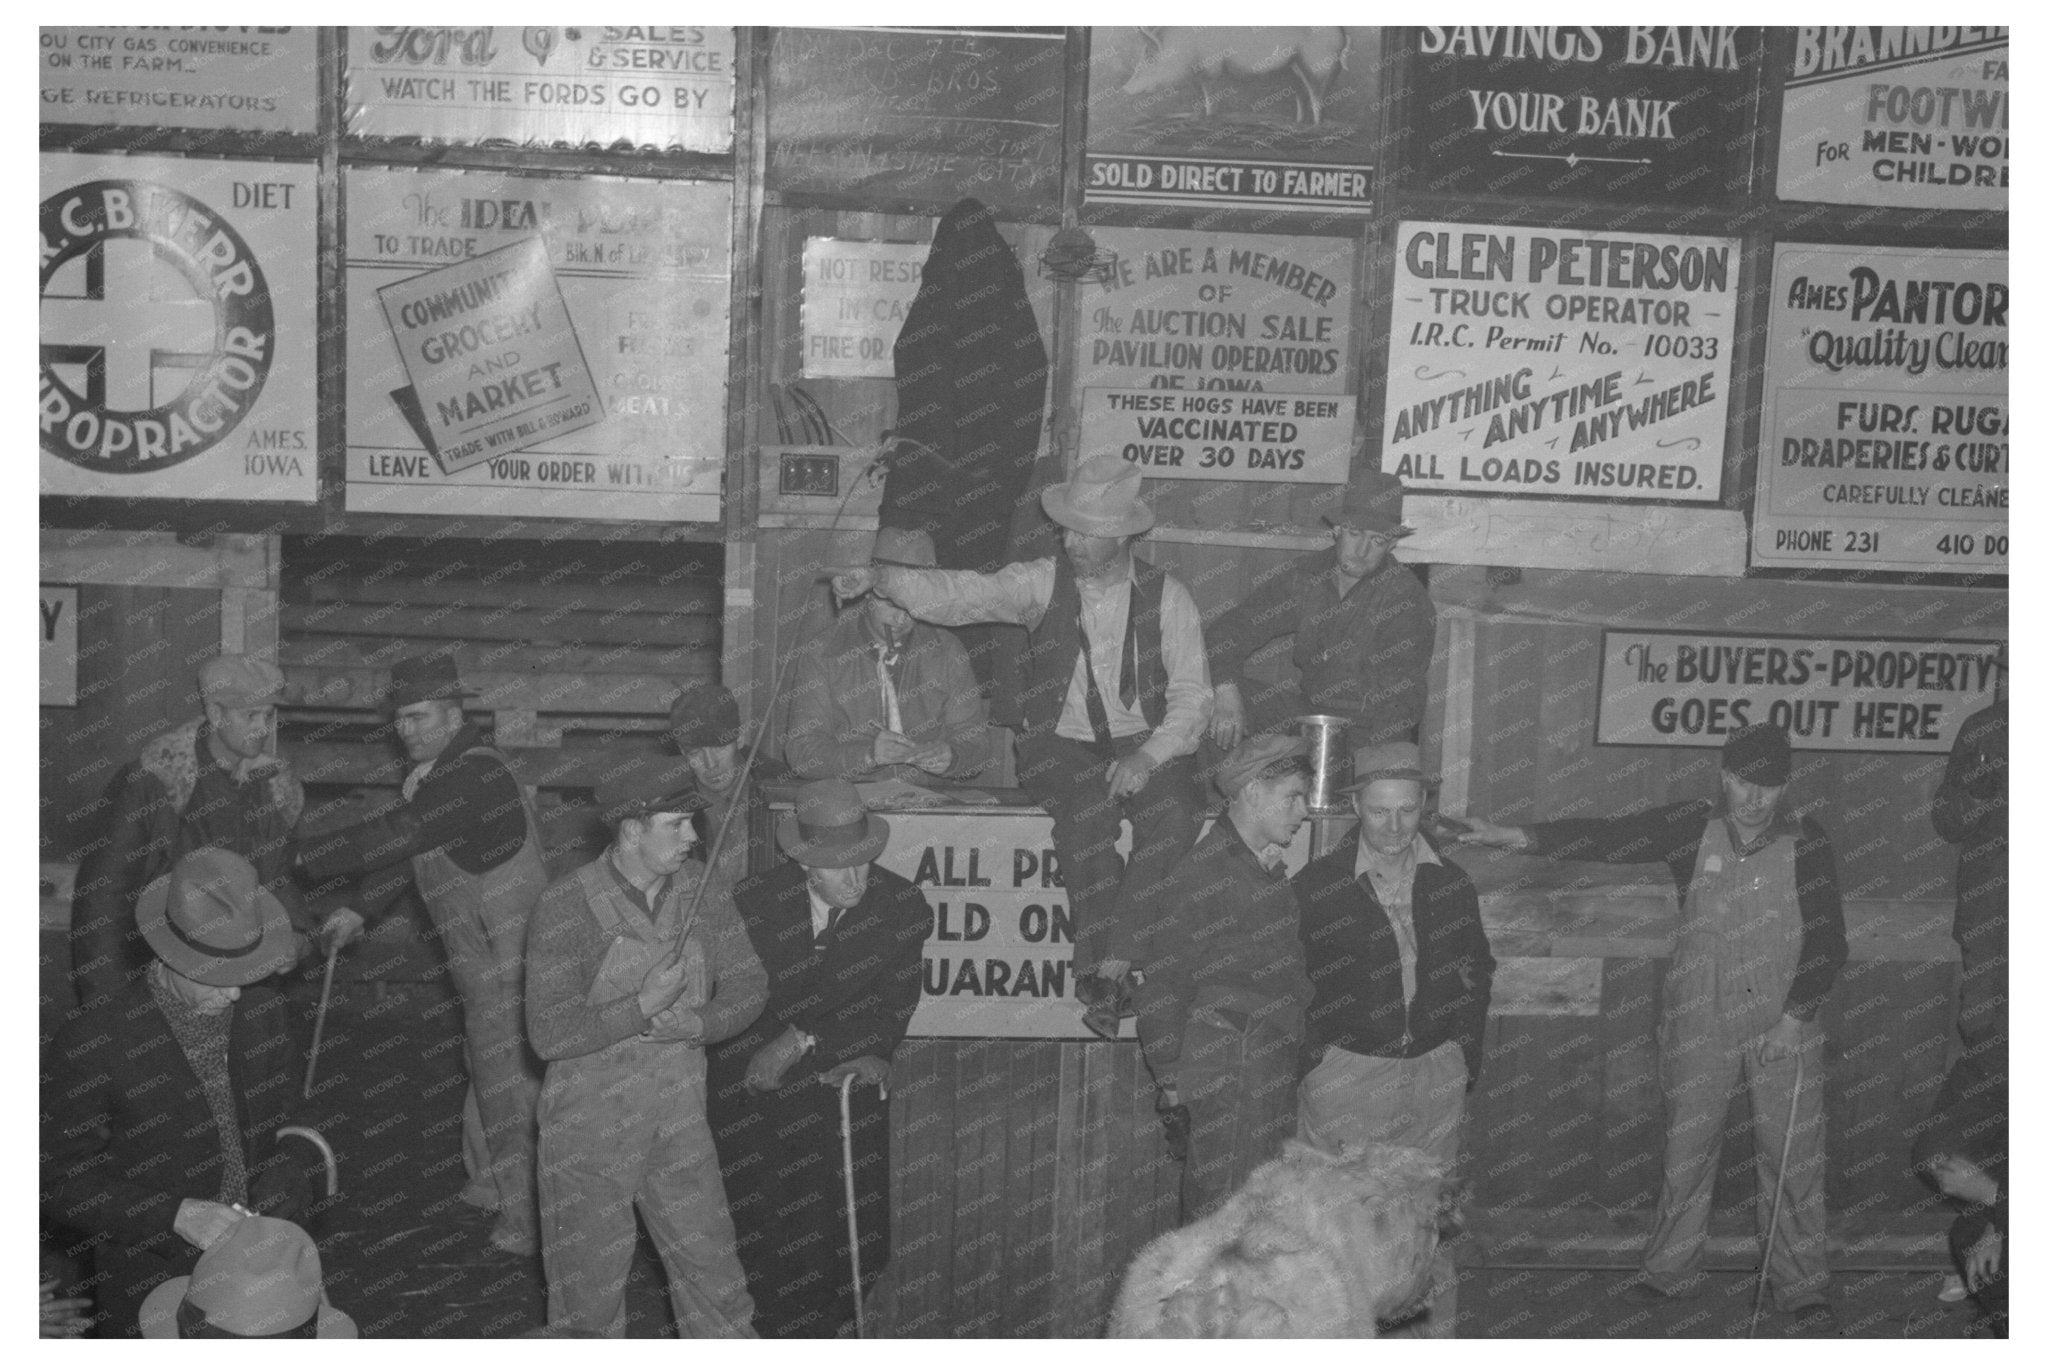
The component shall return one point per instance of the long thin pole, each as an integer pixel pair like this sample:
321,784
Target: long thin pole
320,1018
1763,1269
860,1316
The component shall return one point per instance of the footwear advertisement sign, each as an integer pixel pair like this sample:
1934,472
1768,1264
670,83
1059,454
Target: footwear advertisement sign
1560,364
1271,118
177,328
532,347
1913,117
1886,433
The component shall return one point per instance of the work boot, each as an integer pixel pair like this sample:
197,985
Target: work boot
1104,1002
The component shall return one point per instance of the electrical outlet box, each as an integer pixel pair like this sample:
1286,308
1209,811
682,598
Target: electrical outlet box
809,474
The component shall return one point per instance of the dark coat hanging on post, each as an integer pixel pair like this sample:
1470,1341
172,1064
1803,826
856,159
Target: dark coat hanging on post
970,384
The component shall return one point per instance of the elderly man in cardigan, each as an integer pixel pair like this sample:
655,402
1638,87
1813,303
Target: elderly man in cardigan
879,694
1362,623
1760,942
1114,689
637,963
843,942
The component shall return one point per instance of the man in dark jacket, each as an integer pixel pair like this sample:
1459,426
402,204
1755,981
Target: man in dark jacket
1970,811
1220,1008
162,1102
465,834
1402,975
1760,942
1362,623
843,942
210,782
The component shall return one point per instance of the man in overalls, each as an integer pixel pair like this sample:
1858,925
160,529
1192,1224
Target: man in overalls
1760,941
636,961
466,826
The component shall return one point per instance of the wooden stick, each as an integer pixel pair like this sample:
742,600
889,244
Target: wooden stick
320,1017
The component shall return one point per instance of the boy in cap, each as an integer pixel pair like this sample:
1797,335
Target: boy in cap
1760,942
465,835
163,1101
1363,627
210,782
1113,686
704,722
635,963
880,695
1220,1007
1402,976
843,942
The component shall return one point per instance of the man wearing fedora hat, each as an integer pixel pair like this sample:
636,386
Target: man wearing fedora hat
1760,941
1220,1008
1363,628
1402,976
210,782
465,830
1113,687
162,1103
843,942
261,1278
880,695
636,964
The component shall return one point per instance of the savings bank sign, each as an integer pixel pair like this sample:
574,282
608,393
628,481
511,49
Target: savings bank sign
177,330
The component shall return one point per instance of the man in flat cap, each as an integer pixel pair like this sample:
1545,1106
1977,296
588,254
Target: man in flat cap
1362,623
210,782
704,722
1220,1007
635,964
880,695
843,942
1113,685
465,833
1760,942
162,1103
1402,976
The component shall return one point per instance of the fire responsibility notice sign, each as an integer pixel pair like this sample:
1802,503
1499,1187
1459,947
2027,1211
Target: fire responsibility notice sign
1564,364
1676,688
1221,356
856,295
1916,117
1885,436
536,347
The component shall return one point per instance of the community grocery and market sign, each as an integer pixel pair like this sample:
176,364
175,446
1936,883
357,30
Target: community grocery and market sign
1677,689
1915,117
244,78
1886,436
500,286
1562,364
177,328
1221,355
666,87
1272,118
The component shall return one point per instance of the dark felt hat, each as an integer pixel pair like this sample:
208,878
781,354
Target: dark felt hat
639,782
1759,753
831,826
211,920
1372,502
704,715
428,677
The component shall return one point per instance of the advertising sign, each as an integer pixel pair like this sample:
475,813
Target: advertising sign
473,300
248,79
1272,118
934,113
1915,117
663,87
1885,435
1558,363
1684,690
1645,114
856,295
1207,315
177,328
57,645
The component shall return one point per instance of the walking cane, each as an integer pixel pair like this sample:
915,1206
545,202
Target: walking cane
1763,1269
860,1316
320,1018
